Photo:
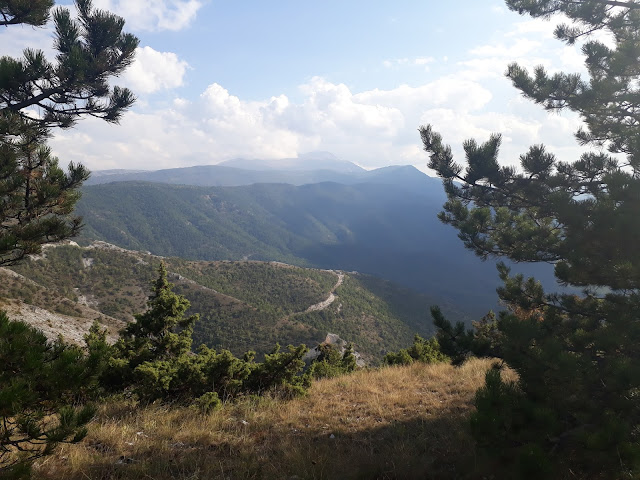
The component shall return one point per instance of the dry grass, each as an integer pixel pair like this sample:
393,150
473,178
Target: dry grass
399,422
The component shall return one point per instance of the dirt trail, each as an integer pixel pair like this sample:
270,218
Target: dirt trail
329,300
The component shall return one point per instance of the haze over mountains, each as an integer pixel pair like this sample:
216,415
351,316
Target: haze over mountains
316,167
304,162
315,210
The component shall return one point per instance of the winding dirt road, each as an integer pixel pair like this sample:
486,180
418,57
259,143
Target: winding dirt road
329,300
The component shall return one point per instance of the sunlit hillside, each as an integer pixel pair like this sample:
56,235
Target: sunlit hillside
246,305
393,423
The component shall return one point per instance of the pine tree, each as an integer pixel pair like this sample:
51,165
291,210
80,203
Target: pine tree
90,50
159,335
422,350
162,331
37,195
577,356
280,373
39,379
35,95
34,12
331,363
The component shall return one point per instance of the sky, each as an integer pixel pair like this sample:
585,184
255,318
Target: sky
217,80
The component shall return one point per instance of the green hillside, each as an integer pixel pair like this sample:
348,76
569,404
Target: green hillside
243,305
386,230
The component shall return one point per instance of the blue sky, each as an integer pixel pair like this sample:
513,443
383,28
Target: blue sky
217,80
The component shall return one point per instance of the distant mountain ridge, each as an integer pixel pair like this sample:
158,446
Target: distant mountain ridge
303,170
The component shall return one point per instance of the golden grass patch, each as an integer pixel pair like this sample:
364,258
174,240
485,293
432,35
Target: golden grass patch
396,422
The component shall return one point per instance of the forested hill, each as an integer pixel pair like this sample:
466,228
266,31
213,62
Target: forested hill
242,305
386,229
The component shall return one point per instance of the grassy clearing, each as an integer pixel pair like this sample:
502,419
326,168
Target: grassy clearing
397,422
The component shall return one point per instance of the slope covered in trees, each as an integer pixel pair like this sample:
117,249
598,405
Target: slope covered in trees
378,229
242,305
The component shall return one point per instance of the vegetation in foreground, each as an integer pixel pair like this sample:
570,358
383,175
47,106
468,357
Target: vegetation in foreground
574,405
152,361
38,379
396,422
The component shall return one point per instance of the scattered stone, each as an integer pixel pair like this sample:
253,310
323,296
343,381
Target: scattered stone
87,262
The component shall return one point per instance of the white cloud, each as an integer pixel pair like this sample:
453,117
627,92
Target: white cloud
540,28
152,71
529,43
180,102
333,108
519,48
153,14
456,93
374,127
423,60
519,131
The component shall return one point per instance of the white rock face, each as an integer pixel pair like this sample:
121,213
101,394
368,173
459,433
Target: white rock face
53,325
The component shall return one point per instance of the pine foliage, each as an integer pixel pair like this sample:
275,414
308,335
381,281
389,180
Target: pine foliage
153,358
34,12
38,196
38,379
331,363
90,49
162,331
39,383
577,356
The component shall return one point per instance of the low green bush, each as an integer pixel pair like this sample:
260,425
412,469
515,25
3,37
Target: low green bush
330,363
425,351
